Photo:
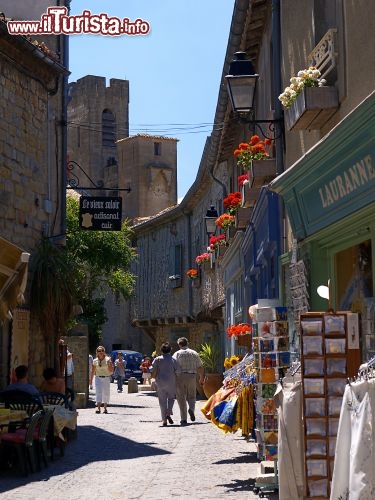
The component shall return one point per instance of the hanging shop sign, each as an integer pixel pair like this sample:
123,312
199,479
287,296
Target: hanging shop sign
100,213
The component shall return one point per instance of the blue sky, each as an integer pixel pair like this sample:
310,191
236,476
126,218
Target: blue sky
174,71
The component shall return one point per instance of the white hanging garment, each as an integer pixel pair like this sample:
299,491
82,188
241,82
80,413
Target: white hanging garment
288,399
354,467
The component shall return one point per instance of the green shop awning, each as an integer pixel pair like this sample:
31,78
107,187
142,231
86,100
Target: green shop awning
335,178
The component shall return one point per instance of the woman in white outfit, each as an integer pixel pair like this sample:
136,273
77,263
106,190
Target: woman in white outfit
102,368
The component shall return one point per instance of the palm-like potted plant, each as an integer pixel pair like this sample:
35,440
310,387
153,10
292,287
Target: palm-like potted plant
210,356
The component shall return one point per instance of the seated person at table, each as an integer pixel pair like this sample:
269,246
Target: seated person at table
51,383
22,382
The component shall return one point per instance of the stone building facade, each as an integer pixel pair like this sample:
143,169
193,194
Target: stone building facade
149,165
97,117
32,183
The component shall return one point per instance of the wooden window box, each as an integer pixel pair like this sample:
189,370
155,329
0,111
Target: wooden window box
313,107
261,172
243,217
220,251
230,233
250,195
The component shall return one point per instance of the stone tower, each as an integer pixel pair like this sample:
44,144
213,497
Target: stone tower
148,163
97,117
99,142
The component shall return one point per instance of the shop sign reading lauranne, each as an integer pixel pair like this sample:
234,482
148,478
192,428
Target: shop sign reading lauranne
359,174
99,213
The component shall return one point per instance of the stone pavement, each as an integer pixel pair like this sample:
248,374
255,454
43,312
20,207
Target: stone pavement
127,454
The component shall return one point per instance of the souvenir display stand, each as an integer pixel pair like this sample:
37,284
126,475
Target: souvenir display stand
329,355
272,358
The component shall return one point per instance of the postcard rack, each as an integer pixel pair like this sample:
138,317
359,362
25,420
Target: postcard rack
272,358
329,353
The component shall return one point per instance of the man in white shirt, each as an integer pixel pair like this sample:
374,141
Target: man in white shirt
191,364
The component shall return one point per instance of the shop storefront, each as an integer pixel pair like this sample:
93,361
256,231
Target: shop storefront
329,195
330,199
14,321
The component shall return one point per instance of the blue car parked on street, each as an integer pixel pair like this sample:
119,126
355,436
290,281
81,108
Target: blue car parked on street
133,360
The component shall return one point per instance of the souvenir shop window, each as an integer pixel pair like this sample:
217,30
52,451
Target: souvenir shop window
355,277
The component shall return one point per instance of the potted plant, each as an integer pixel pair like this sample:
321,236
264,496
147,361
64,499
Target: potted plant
210,356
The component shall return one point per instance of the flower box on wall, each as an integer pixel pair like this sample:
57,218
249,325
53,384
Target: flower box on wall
220,251
230,232
244,340
262,172
250,196
243,217
313,107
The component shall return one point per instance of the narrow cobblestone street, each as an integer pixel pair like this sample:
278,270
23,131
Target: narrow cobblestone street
127,454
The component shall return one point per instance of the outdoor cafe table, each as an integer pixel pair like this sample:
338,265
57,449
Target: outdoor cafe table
62,417
7,416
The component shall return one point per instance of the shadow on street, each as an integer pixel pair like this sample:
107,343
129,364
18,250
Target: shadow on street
102,446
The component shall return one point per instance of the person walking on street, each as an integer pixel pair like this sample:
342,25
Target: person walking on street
145,367
190,364
102,368
119,373
91,360
165,370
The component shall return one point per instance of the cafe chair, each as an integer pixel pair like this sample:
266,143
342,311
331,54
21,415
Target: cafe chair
52,398
21,400
45,439
70,396
20,445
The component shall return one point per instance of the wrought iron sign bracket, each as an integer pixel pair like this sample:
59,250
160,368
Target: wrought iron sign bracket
73,181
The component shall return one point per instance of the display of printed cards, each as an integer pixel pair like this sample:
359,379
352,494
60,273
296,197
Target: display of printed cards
283,359
279,328
271,314
266,345
264,329
282,344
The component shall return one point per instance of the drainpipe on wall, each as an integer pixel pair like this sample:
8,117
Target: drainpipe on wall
280,143
64,120
223,186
